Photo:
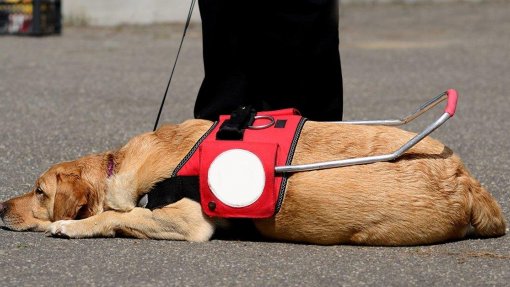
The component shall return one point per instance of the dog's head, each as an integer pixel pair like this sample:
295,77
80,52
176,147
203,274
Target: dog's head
66,191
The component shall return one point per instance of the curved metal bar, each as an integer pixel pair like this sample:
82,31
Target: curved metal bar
366,160
398,122
261,127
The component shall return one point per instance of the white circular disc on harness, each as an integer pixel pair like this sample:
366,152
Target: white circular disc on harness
237,178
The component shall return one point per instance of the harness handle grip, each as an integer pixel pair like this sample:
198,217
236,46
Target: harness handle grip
451,106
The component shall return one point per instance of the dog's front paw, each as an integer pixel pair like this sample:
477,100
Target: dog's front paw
63,229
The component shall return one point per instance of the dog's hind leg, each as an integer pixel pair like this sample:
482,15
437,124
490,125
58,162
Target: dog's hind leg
182,220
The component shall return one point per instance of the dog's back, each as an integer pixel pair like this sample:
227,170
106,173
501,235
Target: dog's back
426,196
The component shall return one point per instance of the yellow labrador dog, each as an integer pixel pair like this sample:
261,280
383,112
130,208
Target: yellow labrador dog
426,196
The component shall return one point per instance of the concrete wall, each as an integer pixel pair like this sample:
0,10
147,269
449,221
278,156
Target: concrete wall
411,1
118,12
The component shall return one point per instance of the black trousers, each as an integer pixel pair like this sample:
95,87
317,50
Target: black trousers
271,54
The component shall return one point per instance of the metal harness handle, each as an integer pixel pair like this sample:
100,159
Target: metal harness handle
451,96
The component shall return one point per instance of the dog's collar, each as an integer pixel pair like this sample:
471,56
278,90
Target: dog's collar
110,168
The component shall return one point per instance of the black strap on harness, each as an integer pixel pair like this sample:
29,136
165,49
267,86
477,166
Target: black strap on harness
240,120
172,190
175,188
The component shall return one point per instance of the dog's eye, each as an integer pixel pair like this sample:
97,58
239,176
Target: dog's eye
39,192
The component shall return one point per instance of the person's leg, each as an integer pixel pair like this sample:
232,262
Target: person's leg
271,54
224,86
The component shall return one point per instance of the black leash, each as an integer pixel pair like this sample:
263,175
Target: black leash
192,6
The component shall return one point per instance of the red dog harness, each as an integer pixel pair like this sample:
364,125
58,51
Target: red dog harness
233,165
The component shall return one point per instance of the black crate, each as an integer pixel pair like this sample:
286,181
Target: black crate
30,17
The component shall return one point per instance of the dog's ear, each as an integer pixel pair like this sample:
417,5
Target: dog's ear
71,198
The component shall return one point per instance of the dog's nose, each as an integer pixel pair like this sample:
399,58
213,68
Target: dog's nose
3,207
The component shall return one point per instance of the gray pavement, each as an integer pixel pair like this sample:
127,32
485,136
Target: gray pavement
94,88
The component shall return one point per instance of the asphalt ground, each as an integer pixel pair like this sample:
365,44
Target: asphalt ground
91,89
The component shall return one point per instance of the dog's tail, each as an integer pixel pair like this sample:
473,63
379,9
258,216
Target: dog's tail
486,215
